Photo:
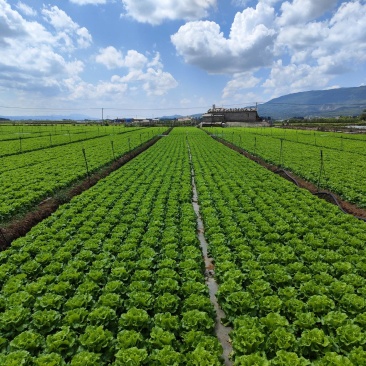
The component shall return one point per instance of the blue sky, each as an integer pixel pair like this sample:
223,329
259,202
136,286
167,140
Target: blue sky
149,58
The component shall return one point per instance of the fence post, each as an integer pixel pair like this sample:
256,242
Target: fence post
114,158
321,170
255,145
86,165
281,153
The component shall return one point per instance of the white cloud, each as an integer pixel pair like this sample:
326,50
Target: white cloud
302,11
295,78
238,83
156,62
26,9
303,46
110,57
158,82
248,47
156,11
240,3
336,44
30,60
186,102
69,33
149,73
88,2
102,91
11,24
135,60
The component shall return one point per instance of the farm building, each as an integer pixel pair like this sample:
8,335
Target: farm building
232,117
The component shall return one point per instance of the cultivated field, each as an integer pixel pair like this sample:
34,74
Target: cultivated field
46,160
344,155
117,276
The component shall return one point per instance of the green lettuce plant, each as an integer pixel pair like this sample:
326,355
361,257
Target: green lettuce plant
252,359
358,356
103,315
137,319
284,358
166,356
49,359
350,336
273,320
333,358
167,321
129,338
166,302
280,339
29,341
314,343
131,357
63,342
45,321
196,320
160,338
85,358
201,357
306,320
16,358
75,318
14,320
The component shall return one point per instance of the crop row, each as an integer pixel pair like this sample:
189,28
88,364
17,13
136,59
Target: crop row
343,158
115,277
291,268
24,142
10,132
28,178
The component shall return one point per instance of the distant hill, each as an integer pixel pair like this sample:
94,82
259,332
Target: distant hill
175,116
317,103
74,117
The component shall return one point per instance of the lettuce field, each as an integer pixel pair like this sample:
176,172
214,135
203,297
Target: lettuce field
31,171
299,151
117,276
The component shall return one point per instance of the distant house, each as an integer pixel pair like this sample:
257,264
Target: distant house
232,117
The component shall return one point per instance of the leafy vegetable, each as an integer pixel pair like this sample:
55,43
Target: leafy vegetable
129,338
131,357
63,342
29,341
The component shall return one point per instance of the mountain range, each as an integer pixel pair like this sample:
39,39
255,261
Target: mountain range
315,103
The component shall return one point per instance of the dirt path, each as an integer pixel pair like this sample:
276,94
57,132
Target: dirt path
222,332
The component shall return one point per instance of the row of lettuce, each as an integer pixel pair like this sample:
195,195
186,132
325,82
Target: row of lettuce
13,131
28,178
115,277
344,167
291,268
19,139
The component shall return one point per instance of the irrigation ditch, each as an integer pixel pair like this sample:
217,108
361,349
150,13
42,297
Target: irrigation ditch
345,206
221,331
21,224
